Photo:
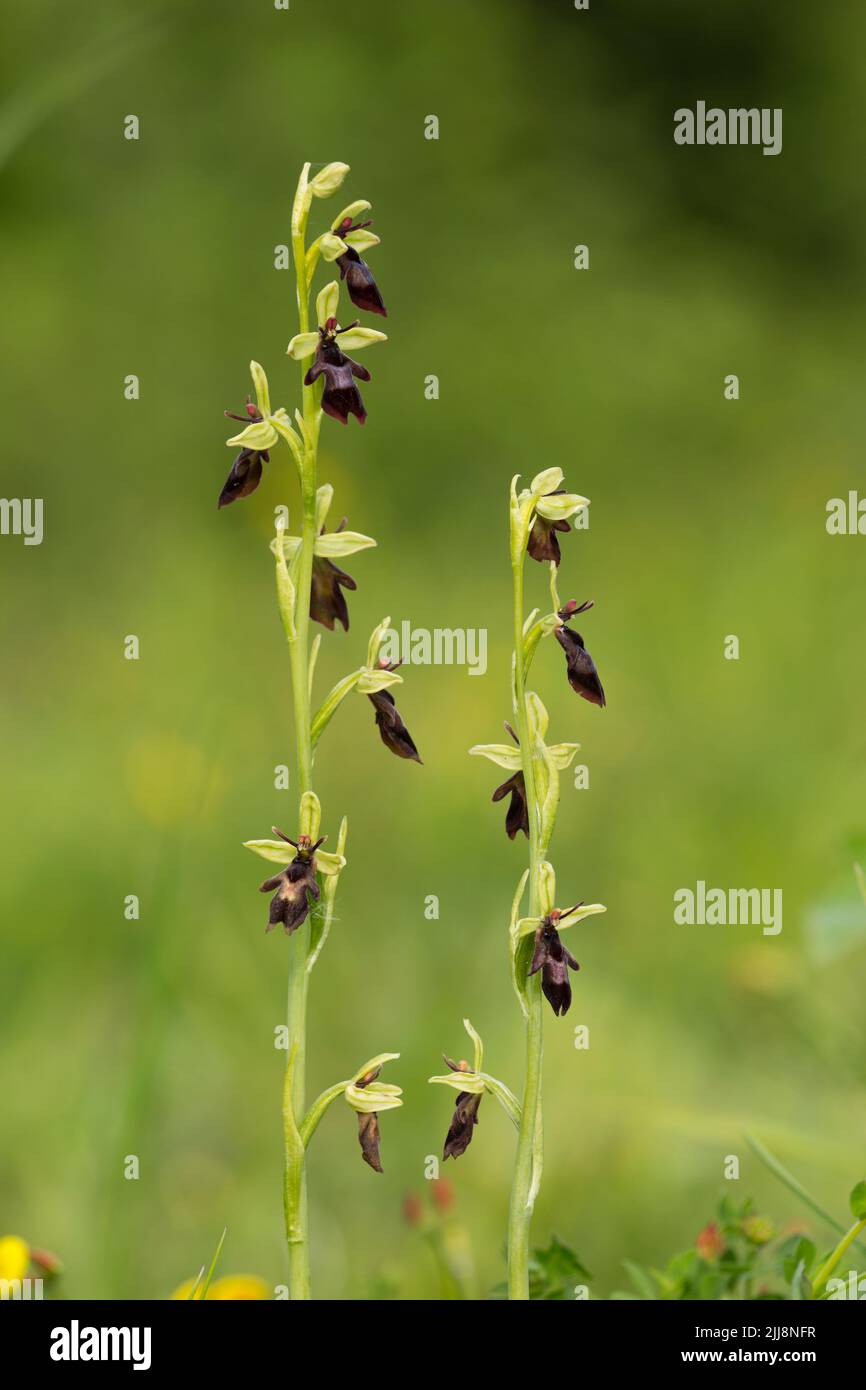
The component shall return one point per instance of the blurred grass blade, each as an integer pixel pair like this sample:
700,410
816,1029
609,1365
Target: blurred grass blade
213,1263
779,1171
53,85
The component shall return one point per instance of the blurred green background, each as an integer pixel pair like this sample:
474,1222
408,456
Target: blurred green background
156,258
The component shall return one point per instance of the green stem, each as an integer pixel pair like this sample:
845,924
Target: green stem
832,1260
529,1138
295,1190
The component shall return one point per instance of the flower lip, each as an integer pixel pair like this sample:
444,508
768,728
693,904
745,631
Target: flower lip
581,670
327,601
392,730
554,960
296,888
363,290
246,469
340,397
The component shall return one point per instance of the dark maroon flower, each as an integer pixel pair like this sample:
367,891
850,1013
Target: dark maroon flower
368,1127
464,1119
246,471
363,290
582,674
554,961
543,541
341,397
327,600
392,730
368,1138
517,815
297,887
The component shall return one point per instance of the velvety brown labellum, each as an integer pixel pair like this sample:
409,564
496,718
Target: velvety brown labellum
543,541
368,1138
517,815
392,730
244,478
341,397
327,600
363,290
297,887
582,674
463,1123
554,961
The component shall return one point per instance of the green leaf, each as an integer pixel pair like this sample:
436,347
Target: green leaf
555,1271
857,1201
796,1251
640,1278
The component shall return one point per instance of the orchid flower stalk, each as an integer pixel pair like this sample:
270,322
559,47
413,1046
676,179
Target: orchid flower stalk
540,961
310,588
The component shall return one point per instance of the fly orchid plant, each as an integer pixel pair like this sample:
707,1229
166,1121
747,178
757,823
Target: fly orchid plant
540,962
310,586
